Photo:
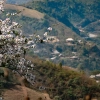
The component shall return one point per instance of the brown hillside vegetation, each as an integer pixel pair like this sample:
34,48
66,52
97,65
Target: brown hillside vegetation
25,11
65,80
17,93
62,82
65,84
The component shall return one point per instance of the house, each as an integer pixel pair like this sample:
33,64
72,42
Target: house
92,35
69,40
98,75
92,76
53,58
74,57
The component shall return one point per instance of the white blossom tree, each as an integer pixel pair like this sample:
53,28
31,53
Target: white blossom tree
13,44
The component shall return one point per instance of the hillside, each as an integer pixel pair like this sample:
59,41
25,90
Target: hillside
80,15
72,54
19,94
32,17
23,75
14,85
25,11
58,82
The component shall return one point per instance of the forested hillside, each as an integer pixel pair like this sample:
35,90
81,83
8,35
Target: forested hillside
80,15
76,53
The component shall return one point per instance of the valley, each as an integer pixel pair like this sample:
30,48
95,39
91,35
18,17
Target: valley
48,51
62,51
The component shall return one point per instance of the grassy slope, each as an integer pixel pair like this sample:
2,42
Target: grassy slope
64,83
25,11
20,93
62,30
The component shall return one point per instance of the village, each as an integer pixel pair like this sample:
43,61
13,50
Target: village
11,51
96,77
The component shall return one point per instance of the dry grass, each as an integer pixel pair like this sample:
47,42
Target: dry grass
21,92
17,93
70,68
25,11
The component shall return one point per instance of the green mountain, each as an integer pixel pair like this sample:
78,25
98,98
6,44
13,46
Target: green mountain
76,53
81,16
